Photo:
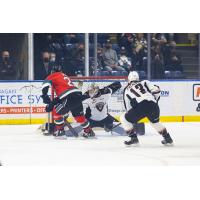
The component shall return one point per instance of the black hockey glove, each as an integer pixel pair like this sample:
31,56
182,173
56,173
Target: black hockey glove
115,86
49,107
56,101
46,98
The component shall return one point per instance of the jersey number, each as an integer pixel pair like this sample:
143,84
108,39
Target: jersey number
68,80
140,88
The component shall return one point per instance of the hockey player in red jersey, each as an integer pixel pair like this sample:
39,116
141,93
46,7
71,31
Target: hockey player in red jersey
68,99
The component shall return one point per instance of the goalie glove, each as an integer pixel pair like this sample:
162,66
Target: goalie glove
115,86
112,88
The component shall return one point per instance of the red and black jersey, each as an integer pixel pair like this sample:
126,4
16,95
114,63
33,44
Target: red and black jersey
61,84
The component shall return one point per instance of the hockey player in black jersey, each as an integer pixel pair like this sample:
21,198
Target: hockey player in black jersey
141,100
96,102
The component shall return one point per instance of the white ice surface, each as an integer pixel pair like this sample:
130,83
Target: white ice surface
23,145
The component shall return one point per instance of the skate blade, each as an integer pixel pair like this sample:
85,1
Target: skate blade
63,137
132,145
169,145
47,134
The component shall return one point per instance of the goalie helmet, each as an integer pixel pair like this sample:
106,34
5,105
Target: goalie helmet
93,90
133,76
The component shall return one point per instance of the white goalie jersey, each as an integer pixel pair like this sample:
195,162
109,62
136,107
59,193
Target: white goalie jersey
98,107
136,92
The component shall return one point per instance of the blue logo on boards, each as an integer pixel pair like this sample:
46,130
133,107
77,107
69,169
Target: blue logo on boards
164,93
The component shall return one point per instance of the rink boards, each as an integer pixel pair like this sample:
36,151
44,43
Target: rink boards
20,101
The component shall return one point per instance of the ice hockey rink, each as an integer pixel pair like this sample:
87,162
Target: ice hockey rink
23,145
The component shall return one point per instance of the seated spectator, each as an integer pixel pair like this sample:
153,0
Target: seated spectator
124,61
169,47
52,57
43,67
173,61
159,42
127,40
69,61
56,47
157,62
80,59
100,62
7,67
158,38
110,58
140,47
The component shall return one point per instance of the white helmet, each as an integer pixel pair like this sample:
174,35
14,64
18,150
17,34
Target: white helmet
133,76
93,90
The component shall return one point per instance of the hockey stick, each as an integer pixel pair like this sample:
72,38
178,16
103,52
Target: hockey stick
71,128
115,120
111,131
116,125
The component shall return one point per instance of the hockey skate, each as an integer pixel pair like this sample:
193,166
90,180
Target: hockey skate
88,133
167,140
134,139
59,132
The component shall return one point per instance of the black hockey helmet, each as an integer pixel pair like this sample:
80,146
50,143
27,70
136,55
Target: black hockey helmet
56,68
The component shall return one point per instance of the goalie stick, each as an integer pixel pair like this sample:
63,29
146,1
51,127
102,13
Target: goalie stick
69,126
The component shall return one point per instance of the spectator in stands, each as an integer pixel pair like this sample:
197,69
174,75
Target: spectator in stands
173,61
140,48
168,48
158,39
70,60
159,42
124,61
52,57
110,58
80,59
55,46
73,38
7,67
100,62
101,38
43,67
127,40
157,62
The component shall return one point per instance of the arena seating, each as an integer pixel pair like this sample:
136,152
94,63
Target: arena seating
173,75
